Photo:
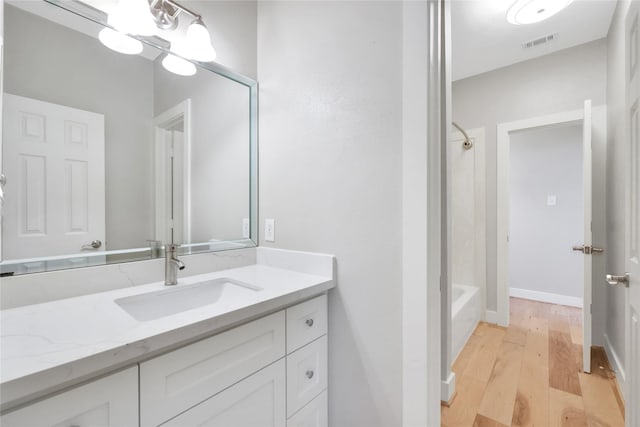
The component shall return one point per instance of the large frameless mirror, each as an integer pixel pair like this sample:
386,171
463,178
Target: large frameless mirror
108,156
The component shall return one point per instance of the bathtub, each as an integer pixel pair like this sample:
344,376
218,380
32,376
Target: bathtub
465,315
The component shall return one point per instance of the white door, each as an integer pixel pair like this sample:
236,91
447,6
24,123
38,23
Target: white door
588,238
632,244
55,192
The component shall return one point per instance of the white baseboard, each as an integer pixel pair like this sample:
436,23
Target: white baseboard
448,387
491,316
546,297
616,364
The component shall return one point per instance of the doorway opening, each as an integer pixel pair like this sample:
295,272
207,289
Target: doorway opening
534,257
173,174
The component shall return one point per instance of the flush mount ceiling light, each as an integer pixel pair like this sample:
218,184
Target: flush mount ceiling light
524,12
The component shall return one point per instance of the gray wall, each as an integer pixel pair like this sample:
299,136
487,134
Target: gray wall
546,162
65,67
330,175
615,324
550,84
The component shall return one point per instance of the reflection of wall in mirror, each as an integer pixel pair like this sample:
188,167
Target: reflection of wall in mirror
49,62
219,149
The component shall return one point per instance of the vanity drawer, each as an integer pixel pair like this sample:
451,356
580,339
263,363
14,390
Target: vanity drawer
255,401
176,381
306,322
306,374
108,402
314,414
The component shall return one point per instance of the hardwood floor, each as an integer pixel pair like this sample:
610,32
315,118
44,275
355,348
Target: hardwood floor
529,374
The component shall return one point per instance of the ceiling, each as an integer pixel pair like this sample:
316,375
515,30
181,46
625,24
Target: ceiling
483,40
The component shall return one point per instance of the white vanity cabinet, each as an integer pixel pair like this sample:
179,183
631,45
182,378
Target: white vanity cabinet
269,372
174,382
111,401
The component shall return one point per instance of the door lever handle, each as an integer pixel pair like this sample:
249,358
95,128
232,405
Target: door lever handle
93,245
614,280
587,250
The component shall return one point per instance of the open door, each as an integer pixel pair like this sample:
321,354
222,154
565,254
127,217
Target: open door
631,278
587,247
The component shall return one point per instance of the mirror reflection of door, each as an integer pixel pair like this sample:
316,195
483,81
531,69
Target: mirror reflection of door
55,192
173,142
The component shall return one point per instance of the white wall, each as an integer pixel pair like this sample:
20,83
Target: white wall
331,176
546,162
66,67
554,83
615,324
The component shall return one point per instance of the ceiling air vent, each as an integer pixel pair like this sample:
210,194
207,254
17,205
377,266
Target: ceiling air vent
540,41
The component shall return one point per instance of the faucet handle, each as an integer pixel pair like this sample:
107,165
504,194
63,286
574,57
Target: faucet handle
171,247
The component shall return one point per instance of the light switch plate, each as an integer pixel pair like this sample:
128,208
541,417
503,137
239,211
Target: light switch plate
551,200
269,230
246,230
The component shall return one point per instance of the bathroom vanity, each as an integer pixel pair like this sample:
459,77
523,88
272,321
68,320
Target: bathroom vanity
254,355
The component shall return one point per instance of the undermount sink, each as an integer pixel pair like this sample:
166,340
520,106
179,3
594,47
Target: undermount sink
179,298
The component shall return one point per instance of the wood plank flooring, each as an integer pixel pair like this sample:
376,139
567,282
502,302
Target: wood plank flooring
529,374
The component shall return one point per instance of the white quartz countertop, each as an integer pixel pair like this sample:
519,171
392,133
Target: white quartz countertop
49,346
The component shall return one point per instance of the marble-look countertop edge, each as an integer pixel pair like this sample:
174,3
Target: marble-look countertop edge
19,391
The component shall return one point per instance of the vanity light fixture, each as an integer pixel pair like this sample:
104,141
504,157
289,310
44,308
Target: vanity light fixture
176,64
119,42
132,17
524,12
146,18
199,42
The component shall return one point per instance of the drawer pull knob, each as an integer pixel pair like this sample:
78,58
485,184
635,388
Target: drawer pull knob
309,374
309,322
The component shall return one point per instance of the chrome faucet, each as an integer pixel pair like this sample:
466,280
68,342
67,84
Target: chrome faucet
171,265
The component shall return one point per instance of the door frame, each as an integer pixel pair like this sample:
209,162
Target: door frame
502,229
598,126
161,123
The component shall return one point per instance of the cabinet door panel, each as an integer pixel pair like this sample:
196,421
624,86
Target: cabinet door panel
257,401
314,414
306,374
108,402
176,381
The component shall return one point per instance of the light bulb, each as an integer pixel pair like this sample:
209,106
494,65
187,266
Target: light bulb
524,12
119,42
198,41
132,17
178,65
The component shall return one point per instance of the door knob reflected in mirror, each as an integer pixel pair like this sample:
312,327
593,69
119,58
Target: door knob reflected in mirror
93,245
614,280
587,250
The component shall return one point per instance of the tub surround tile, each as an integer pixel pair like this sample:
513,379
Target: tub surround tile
46,347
